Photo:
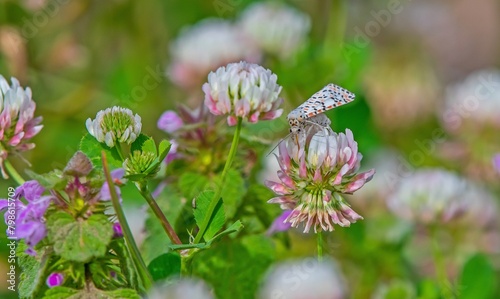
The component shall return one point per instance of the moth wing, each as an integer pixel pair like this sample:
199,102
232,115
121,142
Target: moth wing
331,96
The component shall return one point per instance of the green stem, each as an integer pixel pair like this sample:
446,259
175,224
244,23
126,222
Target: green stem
216,198
439,263
320,245
142,270
118,148
13,172
144,190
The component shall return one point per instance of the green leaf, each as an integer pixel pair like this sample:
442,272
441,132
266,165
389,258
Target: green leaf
191,184
93,148
144,143
165,266
217,219
163,149
233,192
477,280
126,265
239,264
32,271
79,240
50,180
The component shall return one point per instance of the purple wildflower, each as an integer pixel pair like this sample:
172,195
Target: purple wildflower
117,176
170,121
26,221
279,224
55,279
117,229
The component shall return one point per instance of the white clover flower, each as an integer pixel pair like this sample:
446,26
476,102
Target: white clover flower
473,103
437,196
276,28
304,279
115,125
243,90
17,121
206,46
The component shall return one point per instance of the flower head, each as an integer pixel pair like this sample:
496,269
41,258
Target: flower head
55,279
27,218
17,122
206,46
243,90
276,28
314,174
437,196
115,125
319,280
139,162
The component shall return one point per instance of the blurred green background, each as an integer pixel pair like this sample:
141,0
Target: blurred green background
79,57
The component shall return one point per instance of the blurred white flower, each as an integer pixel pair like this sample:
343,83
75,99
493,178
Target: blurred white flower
304,279
473,103
438,196
182,289
276,28
206,46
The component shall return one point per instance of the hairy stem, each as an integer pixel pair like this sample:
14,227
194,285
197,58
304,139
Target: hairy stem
144,190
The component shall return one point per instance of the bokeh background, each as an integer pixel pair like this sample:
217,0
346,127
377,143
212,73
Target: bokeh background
427,86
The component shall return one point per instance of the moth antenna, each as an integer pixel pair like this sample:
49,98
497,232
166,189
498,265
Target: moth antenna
278,144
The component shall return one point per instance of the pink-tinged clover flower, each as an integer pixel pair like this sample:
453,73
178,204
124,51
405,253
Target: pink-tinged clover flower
243,90
17,121
27,219
115,125
313,177
55,279
206,46
277,29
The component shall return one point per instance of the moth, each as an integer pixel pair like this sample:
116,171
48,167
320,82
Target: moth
311,111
